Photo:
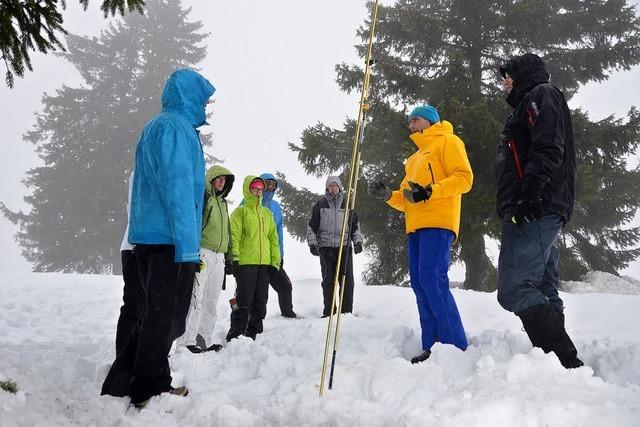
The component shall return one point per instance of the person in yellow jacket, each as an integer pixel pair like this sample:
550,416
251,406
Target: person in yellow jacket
256,252
430,196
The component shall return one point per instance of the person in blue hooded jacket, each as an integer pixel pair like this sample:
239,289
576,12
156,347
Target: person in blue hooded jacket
164,225
278,278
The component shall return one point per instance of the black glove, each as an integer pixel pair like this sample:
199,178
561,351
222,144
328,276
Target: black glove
314,250
527,211
377,190
228,267
273,270
529,205
235,268
418,193
357,248
201,266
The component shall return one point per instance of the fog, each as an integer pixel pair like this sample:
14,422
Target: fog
272,63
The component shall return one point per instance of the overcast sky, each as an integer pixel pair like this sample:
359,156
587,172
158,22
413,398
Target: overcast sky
272,63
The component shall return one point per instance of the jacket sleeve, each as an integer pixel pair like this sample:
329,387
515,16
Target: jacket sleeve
356,234
278,218
235,223
458,169
545,112
274,246
314,225
174,149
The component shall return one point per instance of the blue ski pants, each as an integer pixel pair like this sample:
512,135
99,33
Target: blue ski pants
429,257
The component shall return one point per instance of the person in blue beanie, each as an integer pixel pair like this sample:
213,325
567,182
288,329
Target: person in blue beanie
278,278
430,196
165,227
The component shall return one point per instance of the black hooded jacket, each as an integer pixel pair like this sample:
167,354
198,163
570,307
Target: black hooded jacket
536,157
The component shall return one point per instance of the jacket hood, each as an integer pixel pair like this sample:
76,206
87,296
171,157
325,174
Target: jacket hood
214,172
267,196
526,71
186,93
250,199
332,179
422,139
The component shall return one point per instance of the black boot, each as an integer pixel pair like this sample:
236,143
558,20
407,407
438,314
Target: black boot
545,329
421,357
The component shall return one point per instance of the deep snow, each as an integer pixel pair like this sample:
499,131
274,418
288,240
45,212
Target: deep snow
57,341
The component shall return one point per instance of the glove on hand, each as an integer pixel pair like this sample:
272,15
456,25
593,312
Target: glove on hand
228,267
529,205
357,248
314,250
527,211
418,193
377,190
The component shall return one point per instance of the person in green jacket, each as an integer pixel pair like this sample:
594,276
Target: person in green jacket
256,252
215,260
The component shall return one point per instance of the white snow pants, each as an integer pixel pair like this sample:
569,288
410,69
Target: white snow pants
204,299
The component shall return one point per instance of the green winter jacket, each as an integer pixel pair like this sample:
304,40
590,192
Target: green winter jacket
254,239
215,218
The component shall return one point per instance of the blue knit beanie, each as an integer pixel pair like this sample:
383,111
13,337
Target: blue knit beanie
427,112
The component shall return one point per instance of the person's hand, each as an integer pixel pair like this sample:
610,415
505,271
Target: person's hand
377,190
418,193
357,248
228,267
314,250
527,211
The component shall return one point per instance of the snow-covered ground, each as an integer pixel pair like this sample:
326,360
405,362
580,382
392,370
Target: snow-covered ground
57,341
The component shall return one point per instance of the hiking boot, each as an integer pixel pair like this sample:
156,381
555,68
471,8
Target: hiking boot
179,391
214,347
290,315
545,328
421,357
194,349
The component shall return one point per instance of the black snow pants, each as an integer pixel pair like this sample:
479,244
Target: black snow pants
132,299
141,368
281,283
252,292
328,264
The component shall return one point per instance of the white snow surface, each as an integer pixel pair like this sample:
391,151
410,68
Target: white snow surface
57,342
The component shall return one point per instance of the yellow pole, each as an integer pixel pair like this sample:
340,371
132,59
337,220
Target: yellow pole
349,205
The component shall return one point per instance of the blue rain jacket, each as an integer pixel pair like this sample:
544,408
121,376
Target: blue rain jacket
168,186
274,207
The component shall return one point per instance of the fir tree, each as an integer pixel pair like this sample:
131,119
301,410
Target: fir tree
29,25
86,137
447,53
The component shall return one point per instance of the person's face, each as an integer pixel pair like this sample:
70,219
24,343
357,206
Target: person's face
256,191
418,124
333,188
271,185
507,82
218,183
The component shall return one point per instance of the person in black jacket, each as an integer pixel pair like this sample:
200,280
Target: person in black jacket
535,172
323,236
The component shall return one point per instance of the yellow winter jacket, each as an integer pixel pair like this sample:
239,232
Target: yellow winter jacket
441,160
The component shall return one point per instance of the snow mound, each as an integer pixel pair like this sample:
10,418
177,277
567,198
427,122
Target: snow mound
601,282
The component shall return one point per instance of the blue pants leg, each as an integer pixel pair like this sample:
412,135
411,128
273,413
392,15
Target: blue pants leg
527,266
429,257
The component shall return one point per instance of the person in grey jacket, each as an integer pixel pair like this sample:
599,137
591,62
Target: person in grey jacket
323,237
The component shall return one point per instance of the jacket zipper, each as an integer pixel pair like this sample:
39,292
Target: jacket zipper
433,181
259,232
208,217
516,158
